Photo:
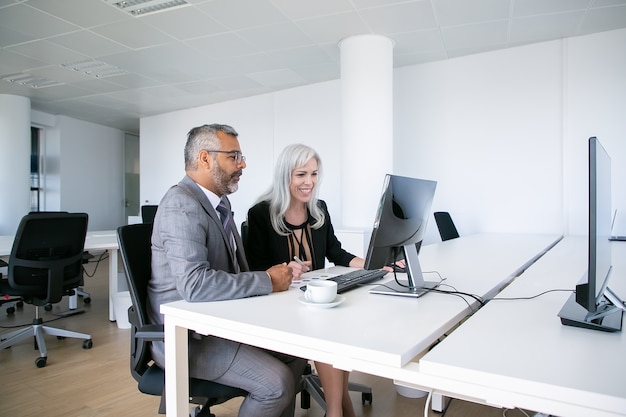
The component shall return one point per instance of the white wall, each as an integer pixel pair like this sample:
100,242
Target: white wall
487,128
595,106
83,169
494,129
265,123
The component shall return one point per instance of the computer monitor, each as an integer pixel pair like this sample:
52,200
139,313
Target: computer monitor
398,232
594,305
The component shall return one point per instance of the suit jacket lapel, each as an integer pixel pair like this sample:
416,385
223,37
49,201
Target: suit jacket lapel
193,188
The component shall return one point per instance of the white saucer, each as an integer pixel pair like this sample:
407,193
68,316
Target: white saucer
338,300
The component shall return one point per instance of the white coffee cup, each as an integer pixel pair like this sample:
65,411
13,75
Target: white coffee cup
322,291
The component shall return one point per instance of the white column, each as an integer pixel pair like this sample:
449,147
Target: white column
14,161
367,115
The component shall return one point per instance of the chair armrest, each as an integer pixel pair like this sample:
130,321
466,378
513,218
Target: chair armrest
150,332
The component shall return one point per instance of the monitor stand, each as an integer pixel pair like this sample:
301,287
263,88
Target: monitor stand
608,318
415,286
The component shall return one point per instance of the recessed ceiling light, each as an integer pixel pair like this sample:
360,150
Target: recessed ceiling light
143,7
94,68
28,80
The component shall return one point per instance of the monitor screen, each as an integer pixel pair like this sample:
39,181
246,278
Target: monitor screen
594,305
590,291
398,232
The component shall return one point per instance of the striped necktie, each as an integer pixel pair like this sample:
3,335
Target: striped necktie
226,218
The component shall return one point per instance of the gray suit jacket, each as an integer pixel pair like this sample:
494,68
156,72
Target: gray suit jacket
192,261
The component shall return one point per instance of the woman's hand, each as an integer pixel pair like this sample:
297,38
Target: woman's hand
299,269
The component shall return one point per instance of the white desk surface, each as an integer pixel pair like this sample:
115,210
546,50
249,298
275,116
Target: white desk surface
95,240
518,354
371,333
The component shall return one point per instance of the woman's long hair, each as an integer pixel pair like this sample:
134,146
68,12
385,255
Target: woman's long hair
279,196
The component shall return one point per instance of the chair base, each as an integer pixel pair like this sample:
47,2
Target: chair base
38,330
73,300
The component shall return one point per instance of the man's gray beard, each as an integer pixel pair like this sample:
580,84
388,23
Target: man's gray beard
224,180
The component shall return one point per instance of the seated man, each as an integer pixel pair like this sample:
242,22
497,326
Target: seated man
197,255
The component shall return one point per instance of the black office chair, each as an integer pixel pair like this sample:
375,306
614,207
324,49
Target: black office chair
446,227
45,264
78,291
311,386
136,254
148,212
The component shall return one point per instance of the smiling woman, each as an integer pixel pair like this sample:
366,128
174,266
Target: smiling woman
290,224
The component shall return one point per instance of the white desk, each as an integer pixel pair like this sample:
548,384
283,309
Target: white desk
375,334
518,354
98,240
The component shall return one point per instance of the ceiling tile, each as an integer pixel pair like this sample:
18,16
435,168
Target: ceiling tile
33,23
599,20
299,9
84,13
47,52
184,23
222,45
404,17
242,14
472,36
133,33
132,81
530,29
534,7
462,12
88,43
333,28
16,62
284,77
427,41
11,37
279,36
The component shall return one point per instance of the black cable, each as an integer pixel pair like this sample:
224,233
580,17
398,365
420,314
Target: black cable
30,324
104,255
530,297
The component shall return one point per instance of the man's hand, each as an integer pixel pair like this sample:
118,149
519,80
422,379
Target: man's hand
281,276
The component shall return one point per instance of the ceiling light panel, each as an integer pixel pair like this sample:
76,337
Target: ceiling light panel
144,7
97,69
28,80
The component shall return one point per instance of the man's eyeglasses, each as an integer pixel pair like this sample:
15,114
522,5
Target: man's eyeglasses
236,155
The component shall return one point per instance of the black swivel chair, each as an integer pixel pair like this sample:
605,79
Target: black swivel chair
446,227
311,386
45,264
136,254
148,212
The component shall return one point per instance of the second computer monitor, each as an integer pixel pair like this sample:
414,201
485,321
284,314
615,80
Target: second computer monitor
398,232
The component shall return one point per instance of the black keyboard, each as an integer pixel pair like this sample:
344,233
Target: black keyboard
350,280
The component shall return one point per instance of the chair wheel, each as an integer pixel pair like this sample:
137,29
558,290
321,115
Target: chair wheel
87,300
366,397
87,344
10,310
48,307
19,304
41,362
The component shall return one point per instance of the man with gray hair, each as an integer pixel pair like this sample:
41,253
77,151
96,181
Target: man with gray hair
198,255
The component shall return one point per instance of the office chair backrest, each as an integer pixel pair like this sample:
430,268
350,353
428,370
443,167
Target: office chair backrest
148,212
244,233
136,254
446,227
47,256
